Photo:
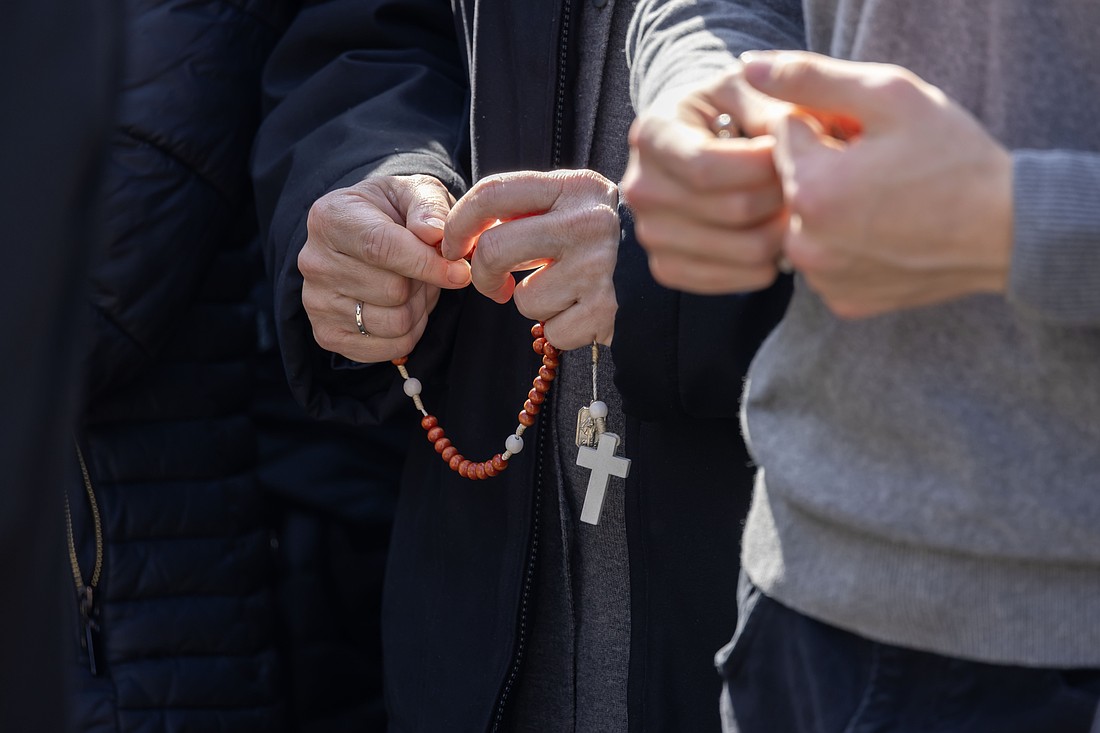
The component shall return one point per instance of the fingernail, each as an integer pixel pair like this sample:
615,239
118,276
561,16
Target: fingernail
458,273
435,222
758,66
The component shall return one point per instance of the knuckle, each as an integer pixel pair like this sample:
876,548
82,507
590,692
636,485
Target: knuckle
323,216
312,300
491,187
404,319
650,233
898,87
379,245
666,271
404,344
641,194
310,263
598,222
326,336
491,251
809,199
394,291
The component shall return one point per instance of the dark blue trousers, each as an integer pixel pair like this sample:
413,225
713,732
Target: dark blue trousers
787,673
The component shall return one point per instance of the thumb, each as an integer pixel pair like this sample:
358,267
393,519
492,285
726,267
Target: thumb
425,203
846,90
801,146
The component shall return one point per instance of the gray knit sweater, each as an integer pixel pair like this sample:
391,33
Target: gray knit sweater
931,478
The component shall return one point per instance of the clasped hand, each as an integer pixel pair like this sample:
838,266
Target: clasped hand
892,195
392,243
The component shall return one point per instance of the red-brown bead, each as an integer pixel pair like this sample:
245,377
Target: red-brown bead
537,397
526,419
489,470
499,463
550,361
429,422
456,461
531,408
442,444
435,434
400,361
547,373
464,466
449,452
536,331
549,349
538,345
482,474
541,385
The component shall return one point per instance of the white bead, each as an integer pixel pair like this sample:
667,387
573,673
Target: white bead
597,409
412,386
514,444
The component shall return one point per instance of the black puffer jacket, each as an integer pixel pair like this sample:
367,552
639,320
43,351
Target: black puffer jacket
184,605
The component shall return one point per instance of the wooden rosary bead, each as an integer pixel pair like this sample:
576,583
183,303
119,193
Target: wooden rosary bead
474,470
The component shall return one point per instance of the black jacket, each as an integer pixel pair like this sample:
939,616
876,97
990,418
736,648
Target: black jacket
57,80
185,605
375,87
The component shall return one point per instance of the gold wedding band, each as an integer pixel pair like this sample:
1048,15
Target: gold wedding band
359,319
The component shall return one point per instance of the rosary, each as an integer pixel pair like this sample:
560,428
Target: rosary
595,446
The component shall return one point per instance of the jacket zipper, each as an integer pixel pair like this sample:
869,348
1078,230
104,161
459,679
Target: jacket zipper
529,574
85,592
547,413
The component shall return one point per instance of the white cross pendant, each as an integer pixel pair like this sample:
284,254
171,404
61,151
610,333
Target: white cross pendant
604,464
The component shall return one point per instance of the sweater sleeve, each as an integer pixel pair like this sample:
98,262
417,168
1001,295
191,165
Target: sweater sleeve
674,44
707,341
355,88
1055,270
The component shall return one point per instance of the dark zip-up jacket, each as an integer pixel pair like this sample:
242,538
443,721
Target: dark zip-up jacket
184,607
380,87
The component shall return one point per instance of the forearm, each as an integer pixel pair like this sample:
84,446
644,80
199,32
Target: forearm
673,44
1055,270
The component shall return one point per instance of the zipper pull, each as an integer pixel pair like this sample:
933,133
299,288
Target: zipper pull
90,626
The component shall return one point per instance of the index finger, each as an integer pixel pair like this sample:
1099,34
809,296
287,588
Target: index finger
691,156
352,225
501,197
